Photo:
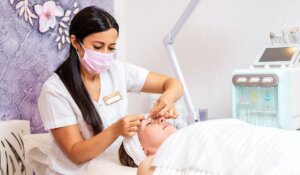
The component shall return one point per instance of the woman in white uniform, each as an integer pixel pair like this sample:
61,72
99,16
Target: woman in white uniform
84,103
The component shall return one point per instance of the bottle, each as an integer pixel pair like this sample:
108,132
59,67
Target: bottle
270,107
243,103
273,105
256,105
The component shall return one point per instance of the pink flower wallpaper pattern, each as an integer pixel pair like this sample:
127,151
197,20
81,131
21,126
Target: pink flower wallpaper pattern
34,41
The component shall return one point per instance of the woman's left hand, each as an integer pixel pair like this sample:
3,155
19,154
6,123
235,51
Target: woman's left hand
164,107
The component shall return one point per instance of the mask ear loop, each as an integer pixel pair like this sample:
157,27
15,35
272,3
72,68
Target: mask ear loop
80,43
77,48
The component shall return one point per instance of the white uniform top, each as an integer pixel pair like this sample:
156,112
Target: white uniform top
57,107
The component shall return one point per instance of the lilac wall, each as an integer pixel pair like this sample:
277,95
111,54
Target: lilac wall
31,47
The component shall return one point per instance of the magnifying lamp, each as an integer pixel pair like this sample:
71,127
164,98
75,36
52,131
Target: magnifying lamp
168,41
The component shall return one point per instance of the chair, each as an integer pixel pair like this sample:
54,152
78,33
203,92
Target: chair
12,153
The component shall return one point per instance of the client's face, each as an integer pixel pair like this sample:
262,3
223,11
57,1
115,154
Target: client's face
152,133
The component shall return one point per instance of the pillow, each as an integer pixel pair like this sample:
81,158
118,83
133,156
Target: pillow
134,149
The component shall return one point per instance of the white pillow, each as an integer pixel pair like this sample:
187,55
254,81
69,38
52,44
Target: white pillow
37,148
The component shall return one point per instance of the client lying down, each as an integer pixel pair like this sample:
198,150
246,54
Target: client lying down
215,147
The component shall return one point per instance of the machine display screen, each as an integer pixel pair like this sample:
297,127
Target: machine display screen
278,54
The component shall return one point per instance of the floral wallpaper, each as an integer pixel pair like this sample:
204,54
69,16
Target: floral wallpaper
33,42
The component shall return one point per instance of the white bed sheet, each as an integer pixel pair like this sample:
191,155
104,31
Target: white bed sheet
37,146
229,147
107,165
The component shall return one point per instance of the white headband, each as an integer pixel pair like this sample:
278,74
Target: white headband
134,149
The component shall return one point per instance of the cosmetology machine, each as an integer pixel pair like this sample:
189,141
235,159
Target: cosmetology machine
268,93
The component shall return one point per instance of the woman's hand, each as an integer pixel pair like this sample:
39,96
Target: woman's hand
129,125
171,90
164,107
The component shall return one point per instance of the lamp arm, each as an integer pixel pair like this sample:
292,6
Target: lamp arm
168,41
182,20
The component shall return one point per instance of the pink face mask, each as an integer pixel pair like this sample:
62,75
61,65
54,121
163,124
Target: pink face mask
96,62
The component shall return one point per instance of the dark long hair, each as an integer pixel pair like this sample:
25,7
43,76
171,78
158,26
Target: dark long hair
86,22
124,158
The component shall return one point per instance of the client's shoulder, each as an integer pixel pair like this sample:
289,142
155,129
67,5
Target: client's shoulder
145,167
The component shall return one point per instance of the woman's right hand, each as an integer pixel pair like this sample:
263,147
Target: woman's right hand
129,125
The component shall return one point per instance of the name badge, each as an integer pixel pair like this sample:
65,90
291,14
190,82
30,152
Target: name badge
112,98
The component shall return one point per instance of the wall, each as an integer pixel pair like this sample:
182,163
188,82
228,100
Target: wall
29,53
219,37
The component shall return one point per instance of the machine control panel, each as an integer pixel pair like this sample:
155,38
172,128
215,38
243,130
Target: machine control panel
278,55
242,80
255,80
267,80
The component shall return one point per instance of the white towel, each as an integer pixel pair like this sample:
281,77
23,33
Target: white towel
230,147
134,149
